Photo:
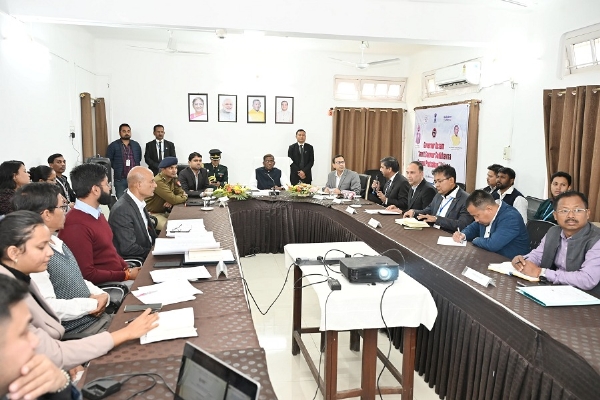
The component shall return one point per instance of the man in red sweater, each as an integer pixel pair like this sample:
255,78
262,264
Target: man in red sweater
87,232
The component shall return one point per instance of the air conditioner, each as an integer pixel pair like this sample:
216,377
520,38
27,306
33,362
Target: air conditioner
459,75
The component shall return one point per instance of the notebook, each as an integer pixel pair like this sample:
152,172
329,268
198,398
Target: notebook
203,376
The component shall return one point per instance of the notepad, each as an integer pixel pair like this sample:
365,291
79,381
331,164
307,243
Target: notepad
558,295
412,223
190,274
507,268
448,241
168,292
172,325
208,256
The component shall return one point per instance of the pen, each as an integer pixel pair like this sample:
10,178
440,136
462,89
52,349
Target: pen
461,239
133,319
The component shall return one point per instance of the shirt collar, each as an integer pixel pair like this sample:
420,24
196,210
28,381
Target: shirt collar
140,203
86,208
452,193
56,244
508,191
392,178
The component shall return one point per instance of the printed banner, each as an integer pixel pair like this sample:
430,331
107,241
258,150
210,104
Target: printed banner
441,138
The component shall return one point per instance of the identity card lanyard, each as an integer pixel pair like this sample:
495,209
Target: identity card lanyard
444,205
548,212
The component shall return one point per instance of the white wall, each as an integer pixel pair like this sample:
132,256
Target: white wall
528,55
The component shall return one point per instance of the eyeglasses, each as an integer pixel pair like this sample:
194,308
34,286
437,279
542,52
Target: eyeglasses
340,162
440,181
64,207
269,161
566,211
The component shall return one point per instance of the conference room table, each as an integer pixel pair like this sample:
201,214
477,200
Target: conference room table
488,342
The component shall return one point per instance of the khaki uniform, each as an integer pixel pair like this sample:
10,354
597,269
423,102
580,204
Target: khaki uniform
167,190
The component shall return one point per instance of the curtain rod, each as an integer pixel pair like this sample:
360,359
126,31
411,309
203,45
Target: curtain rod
574,92
472,101
360,109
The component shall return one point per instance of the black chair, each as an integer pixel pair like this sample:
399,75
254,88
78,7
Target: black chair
181,167
537,230
461,185
365,183
105,162
533,203
116,293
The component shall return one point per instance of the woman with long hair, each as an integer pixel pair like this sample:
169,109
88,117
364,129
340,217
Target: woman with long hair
13,175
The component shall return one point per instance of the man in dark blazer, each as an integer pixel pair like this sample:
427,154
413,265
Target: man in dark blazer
395,190
194,179
448,208
303,158
133,231
158,149
421,192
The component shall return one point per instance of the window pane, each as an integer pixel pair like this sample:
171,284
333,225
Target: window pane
368,89
394,91
597,46
381,89
582,54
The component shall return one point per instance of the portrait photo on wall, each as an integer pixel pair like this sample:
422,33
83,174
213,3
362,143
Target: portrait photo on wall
227,108
284,110
198,107
257,109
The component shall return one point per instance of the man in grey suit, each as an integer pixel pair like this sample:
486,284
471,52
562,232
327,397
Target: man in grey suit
133,232
341,178
448,209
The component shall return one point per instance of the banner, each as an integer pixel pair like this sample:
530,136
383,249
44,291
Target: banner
441,138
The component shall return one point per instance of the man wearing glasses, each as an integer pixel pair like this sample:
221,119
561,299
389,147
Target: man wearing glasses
569,254
448,209
341,178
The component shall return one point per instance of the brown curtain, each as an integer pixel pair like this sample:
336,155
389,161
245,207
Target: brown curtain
101,129
472,139
366,135
87,139
572,132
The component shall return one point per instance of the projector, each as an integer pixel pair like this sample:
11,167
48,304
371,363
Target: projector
369,269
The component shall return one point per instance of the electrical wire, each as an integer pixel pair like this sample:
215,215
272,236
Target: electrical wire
320,351
150,375
388,333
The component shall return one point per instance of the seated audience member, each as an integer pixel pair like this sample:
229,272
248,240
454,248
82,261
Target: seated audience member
341,178
87,232
42,173
506,191
59,165
194,179
24,373
421,192
491,178
497,227
78,303
569,254
396,188
267,176
560,182
133,233
13,175
168,192
218,174
24,250
447,210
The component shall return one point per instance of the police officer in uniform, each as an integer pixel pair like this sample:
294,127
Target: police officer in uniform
168,192
217,173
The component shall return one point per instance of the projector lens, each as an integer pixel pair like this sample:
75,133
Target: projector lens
384,274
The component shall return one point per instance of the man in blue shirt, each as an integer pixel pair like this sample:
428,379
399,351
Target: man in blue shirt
498,227
124,154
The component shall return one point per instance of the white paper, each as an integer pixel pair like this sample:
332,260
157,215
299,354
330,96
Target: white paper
319,197
388,212
412,223
172,325
372,211
477,277
208,256
350,210
181,244
185,227
448,241
337,201
374,223
169,292
191,274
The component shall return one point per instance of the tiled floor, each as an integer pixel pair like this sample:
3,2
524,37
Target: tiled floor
290,375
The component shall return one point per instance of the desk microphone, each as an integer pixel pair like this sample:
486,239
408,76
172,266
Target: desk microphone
272,192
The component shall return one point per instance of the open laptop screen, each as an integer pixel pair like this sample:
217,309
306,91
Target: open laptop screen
203,376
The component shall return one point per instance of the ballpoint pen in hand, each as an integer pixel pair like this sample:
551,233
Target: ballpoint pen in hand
462,240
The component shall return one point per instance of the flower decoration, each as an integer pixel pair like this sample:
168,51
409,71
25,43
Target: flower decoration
237,191
302,190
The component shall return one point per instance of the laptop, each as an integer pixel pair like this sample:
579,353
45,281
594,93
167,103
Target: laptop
203,376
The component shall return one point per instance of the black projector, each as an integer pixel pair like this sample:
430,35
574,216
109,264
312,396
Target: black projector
369,269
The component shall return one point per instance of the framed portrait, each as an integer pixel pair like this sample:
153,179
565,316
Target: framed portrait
198,107
257,109
284,110
227,108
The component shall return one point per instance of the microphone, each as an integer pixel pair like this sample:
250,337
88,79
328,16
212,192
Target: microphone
272,192
374,191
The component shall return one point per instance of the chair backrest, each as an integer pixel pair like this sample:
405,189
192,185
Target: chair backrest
365,182
536,230
104,162
533,203
181,167
116,292
461,185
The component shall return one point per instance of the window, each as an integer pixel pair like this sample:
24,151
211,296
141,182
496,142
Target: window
582,49
430,89
369,88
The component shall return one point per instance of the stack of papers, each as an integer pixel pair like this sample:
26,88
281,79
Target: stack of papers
190,274
185,227
208,256
181,244
169,292
172,325
507,268
448,241
412,223
557,295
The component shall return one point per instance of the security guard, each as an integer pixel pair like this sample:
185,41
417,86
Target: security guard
168,192
217,173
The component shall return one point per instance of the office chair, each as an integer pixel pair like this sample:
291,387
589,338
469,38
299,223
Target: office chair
537,230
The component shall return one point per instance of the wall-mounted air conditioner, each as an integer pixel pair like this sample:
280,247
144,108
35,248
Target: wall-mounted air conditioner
459,75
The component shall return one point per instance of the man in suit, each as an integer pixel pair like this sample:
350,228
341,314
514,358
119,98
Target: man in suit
497,227
158,149
194,179
508,193
491,177
447,210
396,188
59,165
421,192
341,178
303,158
133,232
124,154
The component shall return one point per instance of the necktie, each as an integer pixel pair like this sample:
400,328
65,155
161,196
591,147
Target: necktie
159,151
411,194
302,155
387,186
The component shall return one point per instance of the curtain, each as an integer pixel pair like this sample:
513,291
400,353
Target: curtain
572,133
366,135
87,139
101,129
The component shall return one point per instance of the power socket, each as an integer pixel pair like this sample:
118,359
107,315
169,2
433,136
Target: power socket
72,134
334,284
